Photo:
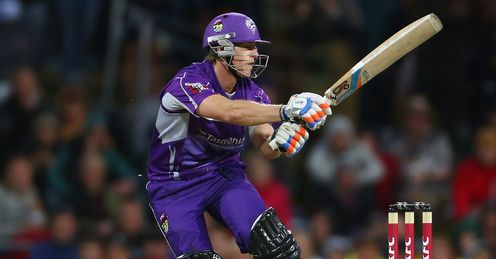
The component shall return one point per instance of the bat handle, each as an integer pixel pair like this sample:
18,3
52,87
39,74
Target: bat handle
330,99
273,145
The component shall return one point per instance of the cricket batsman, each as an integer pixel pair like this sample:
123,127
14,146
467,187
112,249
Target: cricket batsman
207,113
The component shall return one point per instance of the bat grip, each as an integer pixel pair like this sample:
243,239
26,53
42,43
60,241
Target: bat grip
273,145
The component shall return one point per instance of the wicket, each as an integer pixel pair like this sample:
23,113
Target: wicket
409,209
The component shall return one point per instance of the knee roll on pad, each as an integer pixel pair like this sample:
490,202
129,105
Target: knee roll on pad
271,240
201,255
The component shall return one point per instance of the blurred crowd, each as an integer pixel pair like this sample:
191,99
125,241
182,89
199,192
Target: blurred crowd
78,88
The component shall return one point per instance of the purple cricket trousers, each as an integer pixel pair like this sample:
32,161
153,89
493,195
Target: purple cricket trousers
228,196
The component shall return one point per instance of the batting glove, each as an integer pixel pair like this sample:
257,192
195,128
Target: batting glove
309,108
289,138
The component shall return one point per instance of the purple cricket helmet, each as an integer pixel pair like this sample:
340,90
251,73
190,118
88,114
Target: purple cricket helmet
235,27
228,29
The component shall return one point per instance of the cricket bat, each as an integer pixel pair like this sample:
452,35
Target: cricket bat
383,56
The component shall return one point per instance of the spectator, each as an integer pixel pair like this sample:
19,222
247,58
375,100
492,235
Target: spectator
74,111
475,180
443,248
42,154
337,247
366,248
121,174
273,192
21,212
351,205
346,172
62,244
118,250
60,177
99,140
96,141
321,229
91,249
155,247
337,146
483,253
18,114
131,228
91,199
469,243
377,229
305,242
387,188
424,153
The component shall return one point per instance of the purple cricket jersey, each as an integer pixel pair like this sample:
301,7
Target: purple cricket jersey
195,164
184,144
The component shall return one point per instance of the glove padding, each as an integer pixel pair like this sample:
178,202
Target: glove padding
289,138
310,108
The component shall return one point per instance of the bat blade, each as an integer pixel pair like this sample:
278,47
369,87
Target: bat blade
384,56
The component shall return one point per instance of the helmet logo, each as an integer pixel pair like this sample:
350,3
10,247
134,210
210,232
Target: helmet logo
250,25
218,26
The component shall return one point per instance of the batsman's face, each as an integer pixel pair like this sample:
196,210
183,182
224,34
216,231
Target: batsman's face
244,57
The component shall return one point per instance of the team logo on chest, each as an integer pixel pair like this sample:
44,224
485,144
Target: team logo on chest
196,87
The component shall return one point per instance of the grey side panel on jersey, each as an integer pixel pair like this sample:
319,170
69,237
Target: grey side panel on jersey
172,126
171,103
201,255
271,240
